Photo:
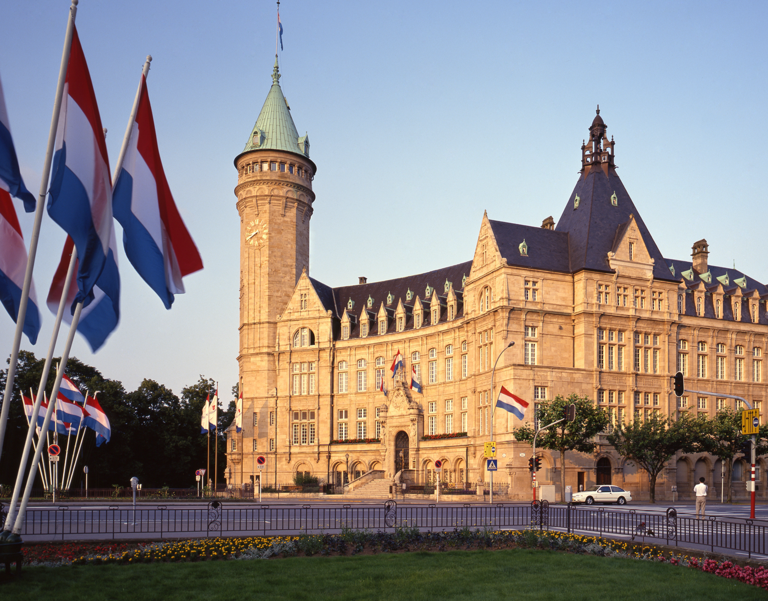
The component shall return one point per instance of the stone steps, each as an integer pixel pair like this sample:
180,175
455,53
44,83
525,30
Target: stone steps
376,489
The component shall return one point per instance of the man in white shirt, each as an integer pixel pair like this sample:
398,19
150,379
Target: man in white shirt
701,497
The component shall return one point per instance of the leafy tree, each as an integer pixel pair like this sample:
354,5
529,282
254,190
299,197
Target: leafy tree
577,435
653,442
724,440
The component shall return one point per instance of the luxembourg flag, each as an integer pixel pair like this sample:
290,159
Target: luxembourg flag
70,391
68,412
397,364
10,174
13,263
509,402
97,420
100,318
239,414
155,238
415,385
81,188
204,429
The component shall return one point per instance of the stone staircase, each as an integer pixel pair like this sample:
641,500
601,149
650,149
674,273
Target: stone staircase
375,489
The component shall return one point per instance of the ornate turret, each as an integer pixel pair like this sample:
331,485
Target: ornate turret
598,152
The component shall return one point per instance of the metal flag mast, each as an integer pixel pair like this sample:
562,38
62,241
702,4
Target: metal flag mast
21,317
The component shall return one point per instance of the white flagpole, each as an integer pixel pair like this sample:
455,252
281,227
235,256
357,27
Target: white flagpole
54,393
82,438
66,456
36,228
77,434
39,468
131,119
38,401
39,434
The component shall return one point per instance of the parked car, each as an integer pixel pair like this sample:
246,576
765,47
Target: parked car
603,493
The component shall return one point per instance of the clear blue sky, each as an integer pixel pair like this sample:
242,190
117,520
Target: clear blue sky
421,115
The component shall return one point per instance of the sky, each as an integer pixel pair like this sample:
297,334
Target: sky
421,115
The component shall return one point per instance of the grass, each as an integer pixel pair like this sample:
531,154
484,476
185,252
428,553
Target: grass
518,574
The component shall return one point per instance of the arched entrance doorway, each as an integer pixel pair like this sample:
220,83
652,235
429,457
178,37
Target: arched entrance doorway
603,475
401,451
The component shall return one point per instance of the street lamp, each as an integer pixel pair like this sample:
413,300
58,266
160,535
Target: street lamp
493,406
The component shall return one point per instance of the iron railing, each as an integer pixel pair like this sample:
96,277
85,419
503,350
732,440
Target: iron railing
161,521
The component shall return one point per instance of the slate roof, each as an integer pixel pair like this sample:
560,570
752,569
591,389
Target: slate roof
592,226
547,249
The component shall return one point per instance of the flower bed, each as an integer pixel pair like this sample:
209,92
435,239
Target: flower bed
357,441
351,542
441,436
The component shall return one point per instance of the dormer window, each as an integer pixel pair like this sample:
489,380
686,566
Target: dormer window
350,304
698,307
390,298
577,200
523,249
428,291
408,295
447,286
382,326
364,329
369,302
303,337
435,316
614,198
417,320
400,324
345,332
451,312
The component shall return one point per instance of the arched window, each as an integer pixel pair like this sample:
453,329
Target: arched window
303,337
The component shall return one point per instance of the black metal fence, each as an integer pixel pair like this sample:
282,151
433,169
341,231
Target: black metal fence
217,519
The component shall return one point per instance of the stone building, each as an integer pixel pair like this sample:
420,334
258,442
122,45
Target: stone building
590,302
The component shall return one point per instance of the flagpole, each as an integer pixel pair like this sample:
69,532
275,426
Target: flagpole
39,468
21,317
79,428
277,27
77,435
216,445
43,477
66,457
208,471
54,394
131,119
39,399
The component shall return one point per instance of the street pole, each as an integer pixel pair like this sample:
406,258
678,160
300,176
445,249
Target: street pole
493,406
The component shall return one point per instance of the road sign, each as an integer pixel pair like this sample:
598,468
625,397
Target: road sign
85,469
54,450
492,465
438,465
750,421
261,460
490,450
54,458
199,472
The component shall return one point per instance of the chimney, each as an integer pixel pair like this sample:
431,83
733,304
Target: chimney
362,280
699,254
548,223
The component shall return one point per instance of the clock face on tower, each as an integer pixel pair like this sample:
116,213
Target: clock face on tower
256,232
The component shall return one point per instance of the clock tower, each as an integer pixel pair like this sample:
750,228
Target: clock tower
274,201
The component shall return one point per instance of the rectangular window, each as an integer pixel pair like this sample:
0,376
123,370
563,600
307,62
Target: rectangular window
304,434
721,404
620,358
620,394
655,361
271,418
361,430
433,372
638,398
312,433
255,445
682,363
757,371
601,396
432,406
531,290
343,380
378,430
343,414
418,372
295,438
449,369
637,359
656,400
432,425
701,402
271,444
464,366
539,393
343,431
720,371
379,378
611,397
611,363
362,380
449,405
530,353
739,369
449,424
682,402
601,356
530,331
464,422
647,360
255,420
234,444
647,398
702,366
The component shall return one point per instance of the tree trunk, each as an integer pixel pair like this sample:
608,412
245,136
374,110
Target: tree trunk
652,485
727,481
562,475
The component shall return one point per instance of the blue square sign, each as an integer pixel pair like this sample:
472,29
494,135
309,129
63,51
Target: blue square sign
492,465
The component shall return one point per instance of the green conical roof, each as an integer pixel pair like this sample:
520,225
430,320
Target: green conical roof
274,129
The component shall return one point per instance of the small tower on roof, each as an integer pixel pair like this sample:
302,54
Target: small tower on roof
598,152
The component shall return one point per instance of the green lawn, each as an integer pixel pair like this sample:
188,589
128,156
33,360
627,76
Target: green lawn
518,574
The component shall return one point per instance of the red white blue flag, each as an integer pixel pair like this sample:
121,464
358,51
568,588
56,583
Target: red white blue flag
10,175
415,384
70,391
509,402
13,267
155,238
97,420
81,190
397,364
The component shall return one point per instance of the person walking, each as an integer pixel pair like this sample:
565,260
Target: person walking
701,497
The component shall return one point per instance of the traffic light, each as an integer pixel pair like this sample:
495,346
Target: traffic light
746,449
570,412
679,384
530,464
538,463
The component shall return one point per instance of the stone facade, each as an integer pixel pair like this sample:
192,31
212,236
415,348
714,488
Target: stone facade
615,328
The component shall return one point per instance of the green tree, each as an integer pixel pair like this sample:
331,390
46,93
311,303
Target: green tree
724,440
653,442
577,435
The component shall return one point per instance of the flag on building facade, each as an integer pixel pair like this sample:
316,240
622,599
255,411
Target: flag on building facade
100,318
204,418
509,402
81,188
13,267
381,385
239,414
415,384
397,364
10,174
155,238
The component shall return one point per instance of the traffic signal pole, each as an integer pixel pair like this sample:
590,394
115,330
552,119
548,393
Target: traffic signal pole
680,388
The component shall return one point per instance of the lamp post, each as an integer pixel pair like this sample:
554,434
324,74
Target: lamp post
493,405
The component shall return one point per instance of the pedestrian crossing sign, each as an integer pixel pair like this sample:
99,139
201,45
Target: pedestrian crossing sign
492,465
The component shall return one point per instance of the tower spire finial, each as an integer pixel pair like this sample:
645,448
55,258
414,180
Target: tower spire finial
276,72
598,109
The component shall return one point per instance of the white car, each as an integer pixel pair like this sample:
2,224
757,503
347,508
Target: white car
603,493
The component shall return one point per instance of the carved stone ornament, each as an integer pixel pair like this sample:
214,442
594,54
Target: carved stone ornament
400,401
